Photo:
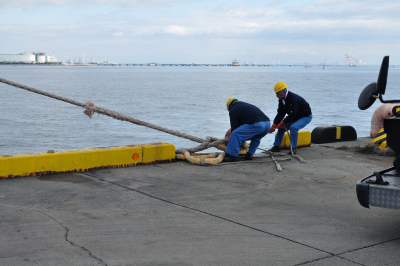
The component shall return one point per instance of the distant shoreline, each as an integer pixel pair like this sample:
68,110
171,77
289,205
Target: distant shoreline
155,64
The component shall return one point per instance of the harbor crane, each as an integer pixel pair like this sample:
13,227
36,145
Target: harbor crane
352,61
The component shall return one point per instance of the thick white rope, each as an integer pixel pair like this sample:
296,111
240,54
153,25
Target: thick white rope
90,109
291,148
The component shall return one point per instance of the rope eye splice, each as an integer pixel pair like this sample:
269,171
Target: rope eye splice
90,108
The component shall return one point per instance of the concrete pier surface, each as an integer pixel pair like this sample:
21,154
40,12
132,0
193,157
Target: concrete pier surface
183,214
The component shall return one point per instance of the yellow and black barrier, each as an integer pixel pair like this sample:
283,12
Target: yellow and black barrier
303,140
36,164
333,133
380,139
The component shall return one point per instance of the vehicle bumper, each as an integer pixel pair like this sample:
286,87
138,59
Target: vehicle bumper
376,195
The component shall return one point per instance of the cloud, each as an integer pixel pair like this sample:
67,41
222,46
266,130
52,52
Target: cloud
176,30
215,28
118,34
21,3
344,9
327,18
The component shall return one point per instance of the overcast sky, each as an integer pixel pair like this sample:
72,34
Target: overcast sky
203,31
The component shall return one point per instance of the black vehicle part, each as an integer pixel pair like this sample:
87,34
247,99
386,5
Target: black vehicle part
368,96
383,74
378,180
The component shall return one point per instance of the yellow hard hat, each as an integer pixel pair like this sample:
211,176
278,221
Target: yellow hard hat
280,86
230,100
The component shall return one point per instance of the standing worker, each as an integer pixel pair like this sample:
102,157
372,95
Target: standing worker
298,116
247,122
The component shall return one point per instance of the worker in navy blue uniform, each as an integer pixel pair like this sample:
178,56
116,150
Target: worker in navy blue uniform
248,122
298,113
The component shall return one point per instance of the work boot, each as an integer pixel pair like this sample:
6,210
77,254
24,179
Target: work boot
275,149
294,151
248,156
229,158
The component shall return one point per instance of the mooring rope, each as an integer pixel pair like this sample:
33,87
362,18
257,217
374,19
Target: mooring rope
90,109
291,148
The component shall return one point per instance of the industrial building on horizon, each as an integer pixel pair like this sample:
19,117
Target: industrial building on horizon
28,58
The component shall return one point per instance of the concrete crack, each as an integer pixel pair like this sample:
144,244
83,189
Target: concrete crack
327,257
330,254
66,232
353,250
71,242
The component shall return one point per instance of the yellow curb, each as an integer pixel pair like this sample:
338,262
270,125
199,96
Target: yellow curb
35,164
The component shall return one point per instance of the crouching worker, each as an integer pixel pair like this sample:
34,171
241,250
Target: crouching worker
248,122
298,116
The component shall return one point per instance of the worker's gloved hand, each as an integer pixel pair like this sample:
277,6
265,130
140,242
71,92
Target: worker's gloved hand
228,135
281,125
272,129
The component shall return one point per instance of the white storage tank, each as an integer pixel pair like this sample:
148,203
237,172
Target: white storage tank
41,57
24,57
27,57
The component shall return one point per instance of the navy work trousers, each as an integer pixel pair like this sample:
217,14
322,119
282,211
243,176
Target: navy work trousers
254,132
294,128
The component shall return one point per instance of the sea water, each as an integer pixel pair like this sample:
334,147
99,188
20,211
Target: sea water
188,99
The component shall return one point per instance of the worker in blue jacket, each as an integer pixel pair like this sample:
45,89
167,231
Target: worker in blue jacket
298,113
247,122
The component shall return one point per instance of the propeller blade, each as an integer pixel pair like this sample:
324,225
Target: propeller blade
383,74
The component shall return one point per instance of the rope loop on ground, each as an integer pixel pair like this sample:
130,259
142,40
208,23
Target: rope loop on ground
202,159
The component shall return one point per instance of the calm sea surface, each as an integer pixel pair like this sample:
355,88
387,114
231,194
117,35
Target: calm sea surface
187,99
